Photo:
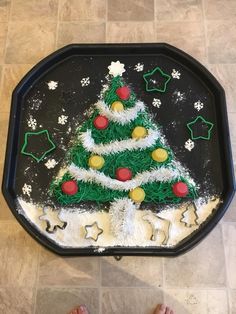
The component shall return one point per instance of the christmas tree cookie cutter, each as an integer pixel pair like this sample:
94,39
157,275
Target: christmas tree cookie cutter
51,216
207,123
24,147
158,225
148,78
91,233
194,214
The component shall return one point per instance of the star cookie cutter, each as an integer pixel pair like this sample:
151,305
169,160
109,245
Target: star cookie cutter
99,231
147,79
50,215
208,123
24,147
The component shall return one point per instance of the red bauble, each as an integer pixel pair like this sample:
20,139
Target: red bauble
123,92
180,189
101,122
123,174
69,187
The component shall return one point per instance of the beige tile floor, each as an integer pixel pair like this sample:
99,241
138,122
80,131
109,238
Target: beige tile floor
33,280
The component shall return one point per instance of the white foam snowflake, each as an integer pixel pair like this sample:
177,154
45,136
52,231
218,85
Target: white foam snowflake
85,81
189,144
52,85
198,105
138,67
51,163
175,74
32,123
156,102
62,119
27,189
116,68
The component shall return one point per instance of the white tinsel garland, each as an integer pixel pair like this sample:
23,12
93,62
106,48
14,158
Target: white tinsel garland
118,146
121,117
122,213
93,176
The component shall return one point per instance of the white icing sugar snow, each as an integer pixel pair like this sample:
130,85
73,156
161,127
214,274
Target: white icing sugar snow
77,218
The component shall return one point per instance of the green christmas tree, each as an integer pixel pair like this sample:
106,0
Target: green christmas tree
120,156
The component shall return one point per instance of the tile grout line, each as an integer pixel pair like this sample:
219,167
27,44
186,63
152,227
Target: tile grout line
226,271
134,287
5,47
106,20
36,282
58,22
100,286
7,34
163,281
205,29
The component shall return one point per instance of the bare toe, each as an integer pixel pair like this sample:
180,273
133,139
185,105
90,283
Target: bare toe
82,309
168,310
160,309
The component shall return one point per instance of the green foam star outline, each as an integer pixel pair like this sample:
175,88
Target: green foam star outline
208,123
147,76
24,147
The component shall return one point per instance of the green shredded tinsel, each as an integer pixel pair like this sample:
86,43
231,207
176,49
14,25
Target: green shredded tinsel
137,161
157,192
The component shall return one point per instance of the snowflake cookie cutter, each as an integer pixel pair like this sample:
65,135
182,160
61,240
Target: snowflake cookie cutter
147,78
159,225
207,123
51,216
91,236
24,147
195,213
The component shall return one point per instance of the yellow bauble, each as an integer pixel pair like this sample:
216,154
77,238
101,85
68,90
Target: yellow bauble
137,195
160,154
117,106
139,132
96,162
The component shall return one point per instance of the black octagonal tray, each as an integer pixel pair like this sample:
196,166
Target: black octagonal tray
56,95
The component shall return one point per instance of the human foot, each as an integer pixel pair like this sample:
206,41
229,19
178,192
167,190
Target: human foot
82,309
163,309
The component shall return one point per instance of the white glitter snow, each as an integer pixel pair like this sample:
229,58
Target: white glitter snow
178,96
